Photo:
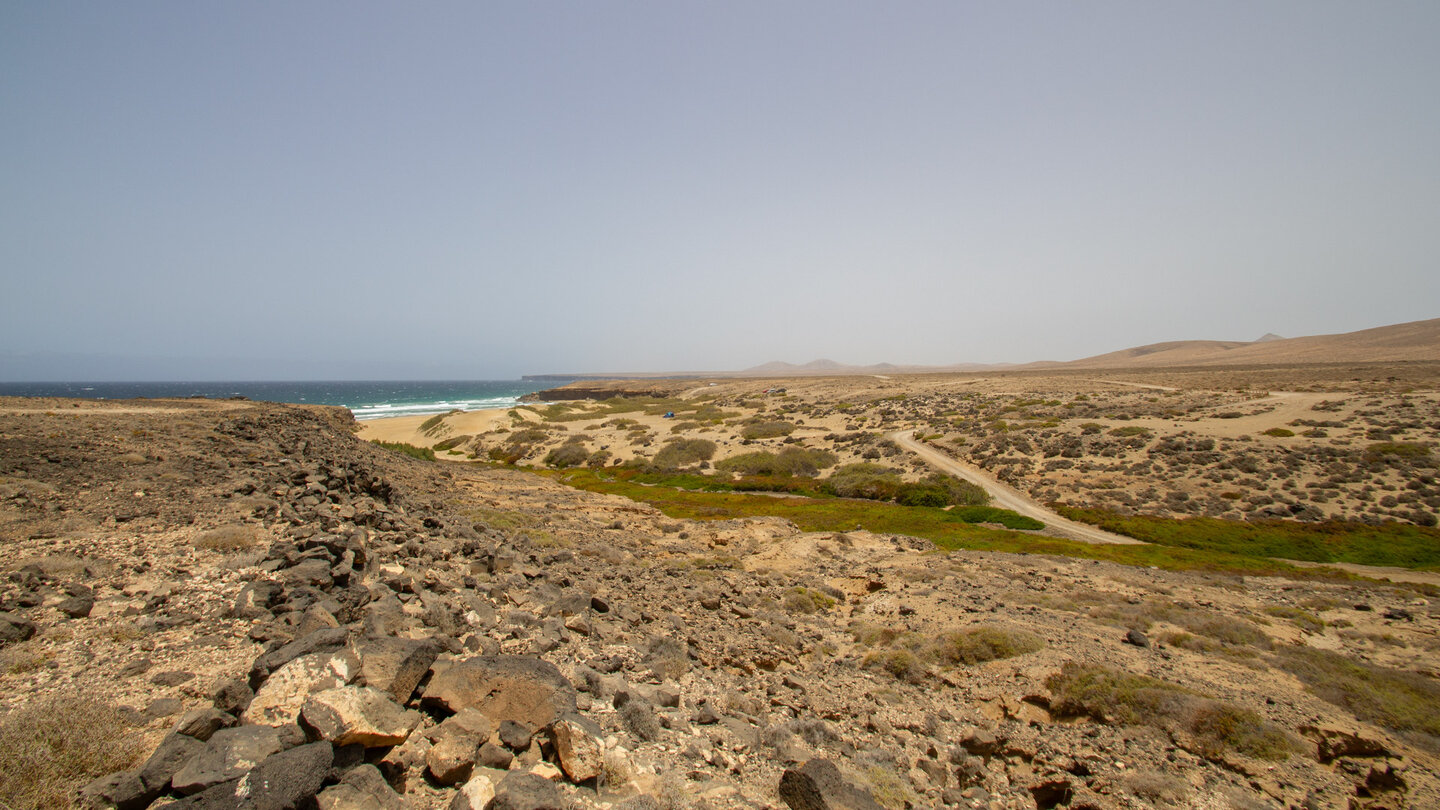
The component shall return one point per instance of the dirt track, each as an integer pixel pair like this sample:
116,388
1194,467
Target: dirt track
1007,497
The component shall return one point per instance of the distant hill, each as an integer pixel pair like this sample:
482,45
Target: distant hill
1417,340
1414,341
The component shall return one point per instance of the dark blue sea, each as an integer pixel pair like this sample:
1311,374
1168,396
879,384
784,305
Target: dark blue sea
367,400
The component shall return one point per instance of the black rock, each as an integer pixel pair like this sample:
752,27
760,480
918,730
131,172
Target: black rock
1137,638
14,627
818,785
522,790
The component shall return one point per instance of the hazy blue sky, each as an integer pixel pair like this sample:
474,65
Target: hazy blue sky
356,189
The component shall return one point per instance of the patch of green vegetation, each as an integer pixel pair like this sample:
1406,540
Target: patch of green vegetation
436,424
422,453
1112,696
945,529
1130,430
877,482
991,514
1397,700
1394,544
1278,432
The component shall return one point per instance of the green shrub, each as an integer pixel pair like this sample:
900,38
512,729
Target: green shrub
435,424
527,436
50,749
422,453
1278,432
1130,430
986,643
807,600
898,662
679,453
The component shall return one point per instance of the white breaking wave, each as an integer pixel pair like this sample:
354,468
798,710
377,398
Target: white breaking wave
385,410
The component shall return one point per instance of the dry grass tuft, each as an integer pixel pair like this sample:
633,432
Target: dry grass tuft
228,538
46,755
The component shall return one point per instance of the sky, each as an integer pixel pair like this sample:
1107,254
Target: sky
349,190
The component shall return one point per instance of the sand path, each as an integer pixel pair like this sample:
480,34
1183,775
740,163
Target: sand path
1007,497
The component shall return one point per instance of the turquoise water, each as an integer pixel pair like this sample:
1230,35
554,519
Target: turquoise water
367,400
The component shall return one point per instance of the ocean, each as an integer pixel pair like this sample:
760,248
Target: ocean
367,400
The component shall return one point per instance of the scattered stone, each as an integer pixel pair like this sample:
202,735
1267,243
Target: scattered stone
1137,638
515,736
232,696
172,678
170,756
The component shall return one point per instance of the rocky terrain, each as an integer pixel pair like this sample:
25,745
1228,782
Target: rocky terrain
254,608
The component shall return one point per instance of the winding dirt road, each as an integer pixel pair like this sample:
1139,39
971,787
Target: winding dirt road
1007,497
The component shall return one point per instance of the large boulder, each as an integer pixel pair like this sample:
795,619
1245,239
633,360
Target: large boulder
818,785
284,781
230,754
279,699
521,790
169,757
579,747
327,640
14,627
522,689
474,794
396,665
361,788
358,715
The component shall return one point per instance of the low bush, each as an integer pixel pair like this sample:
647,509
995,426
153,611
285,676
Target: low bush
767,429
1278,432
1112,696
1395,699
570,454
986,643
679,453
452,442
1130,430
807,600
